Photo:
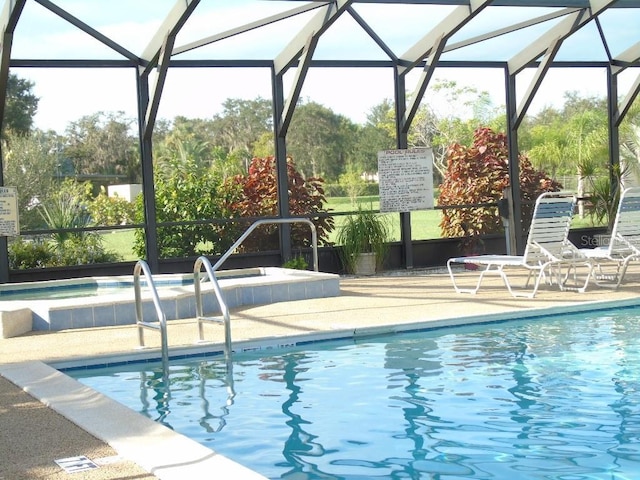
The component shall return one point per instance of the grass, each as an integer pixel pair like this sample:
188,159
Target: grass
425,224
120,242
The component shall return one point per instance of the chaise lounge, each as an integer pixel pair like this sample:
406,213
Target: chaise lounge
548,252
624,244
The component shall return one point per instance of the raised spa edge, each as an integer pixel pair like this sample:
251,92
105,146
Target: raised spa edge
256,286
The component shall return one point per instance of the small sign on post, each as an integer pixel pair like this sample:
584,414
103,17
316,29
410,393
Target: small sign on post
406,179
9,224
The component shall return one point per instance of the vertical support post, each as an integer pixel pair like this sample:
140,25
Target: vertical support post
4,250
146,161
281,162
615,170
515,222
505,208
402,142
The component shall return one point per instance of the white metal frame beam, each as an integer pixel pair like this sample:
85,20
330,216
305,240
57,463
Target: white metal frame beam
158,53
245,28
302,48
619,64
547,46
510,29
627,101
320,22
170,27
447,27
431,46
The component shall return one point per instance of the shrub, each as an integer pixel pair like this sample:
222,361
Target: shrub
25,254
256,195
106,210
296,263
65,212
478,174
185,195
82,251
41,252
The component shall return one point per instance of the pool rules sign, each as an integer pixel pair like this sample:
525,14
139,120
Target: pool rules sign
406,179
9,226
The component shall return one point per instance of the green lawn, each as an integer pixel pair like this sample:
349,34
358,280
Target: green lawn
424,224
120,242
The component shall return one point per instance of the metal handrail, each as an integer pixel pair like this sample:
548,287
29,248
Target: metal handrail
257,223
161,324
226,317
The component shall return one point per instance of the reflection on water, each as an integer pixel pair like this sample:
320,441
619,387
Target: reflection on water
156,386
556,399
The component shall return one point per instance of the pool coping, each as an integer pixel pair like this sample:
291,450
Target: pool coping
169,455
158,449
213,349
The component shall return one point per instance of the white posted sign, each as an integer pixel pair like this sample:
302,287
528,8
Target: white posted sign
9,225
406,179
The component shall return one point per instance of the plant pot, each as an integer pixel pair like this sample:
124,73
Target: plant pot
365,264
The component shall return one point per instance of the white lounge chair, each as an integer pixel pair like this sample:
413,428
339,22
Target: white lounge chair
547,251
624,244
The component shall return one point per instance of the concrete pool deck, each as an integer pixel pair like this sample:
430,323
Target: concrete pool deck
33,434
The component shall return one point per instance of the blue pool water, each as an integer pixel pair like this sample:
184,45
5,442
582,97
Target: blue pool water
548,398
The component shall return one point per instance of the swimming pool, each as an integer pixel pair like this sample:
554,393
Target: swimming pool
553,398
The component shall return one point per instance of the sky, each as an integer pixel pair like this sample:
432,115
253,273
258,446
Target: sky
68,94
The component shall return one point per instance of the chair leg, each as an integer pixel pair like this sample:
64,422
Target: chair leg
457,288
488,269
609,280
574,268
536,285
623,270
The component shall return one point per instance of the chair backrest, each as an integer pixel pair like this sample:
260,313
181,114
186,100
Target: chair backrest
625,234
549,230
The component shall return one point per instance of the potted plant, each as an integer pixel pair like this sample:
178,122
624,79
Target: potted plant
604,200
364,239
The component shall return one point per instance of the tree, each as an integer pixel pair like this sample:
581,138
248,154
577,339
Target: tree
353,184
31,163
378,133
449,114
630,144
587,145
21,105
240,126
478,174
572,141
104,144
319,140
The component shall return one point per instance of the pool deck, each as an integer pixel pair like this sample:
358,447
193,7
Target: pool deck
45,416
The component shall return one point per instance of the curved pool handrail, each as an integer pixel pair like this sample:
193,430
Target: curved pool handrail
161,323
257,223
226,317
